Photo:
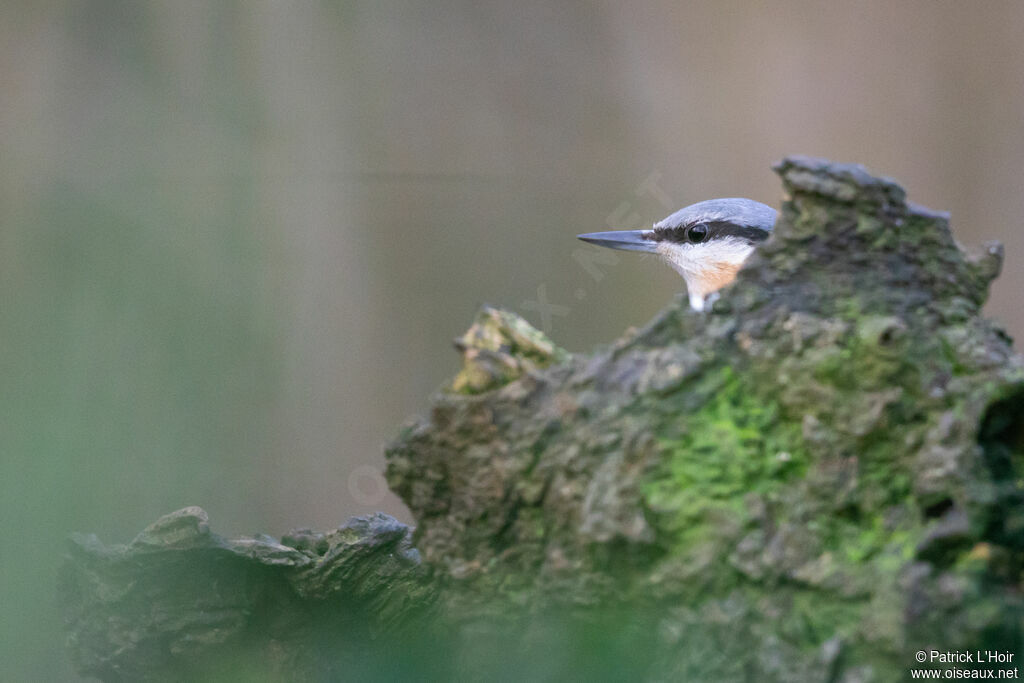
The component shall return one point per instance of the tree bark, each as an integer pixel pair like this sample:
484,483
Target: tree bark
814,481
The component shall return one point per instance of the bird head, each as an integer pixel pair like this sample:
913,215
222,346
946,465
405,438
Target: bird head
706,242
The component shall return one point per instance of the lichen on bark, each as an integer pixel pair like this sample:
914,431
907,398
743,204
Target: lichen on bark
812,481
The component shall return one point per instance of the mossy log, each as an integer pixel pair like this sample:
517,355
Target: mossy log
811,482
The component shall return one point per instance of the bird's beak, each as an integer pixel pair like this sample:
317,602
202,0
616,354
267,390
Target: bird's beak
630,240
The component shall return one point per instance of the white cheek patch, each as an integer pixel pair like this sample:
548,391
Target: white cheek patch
705,266
681,257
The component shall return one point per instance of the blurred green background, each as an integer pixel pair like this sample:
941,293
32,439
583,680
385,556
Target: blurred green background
237,237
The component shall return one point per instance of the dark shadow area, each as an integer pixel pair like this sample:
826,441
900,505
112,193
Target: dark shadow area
1001,438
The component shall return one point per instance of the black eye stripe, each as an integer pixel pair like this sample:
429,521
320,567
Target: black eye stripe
716,230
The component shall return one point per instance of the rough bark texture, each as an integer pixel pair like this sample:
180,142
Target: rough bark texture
180,603
811,482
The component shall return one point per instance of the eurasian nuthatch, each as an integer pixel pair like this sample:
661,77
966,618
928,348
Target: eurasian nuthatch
706,242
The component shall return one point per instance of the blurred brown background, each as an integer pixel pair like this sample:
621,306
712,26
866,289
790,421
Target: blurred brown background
236,238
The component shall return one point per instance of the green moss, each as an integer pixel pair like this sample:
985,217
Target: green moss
812,619
832,366
864,541
849,308
533,522
873,357
735,444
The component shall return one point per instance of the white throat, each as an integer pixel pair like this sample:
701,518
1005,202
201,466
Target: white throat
706,267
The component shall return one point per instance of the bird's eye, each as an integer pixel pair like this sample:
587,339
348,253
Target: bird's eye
697,233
